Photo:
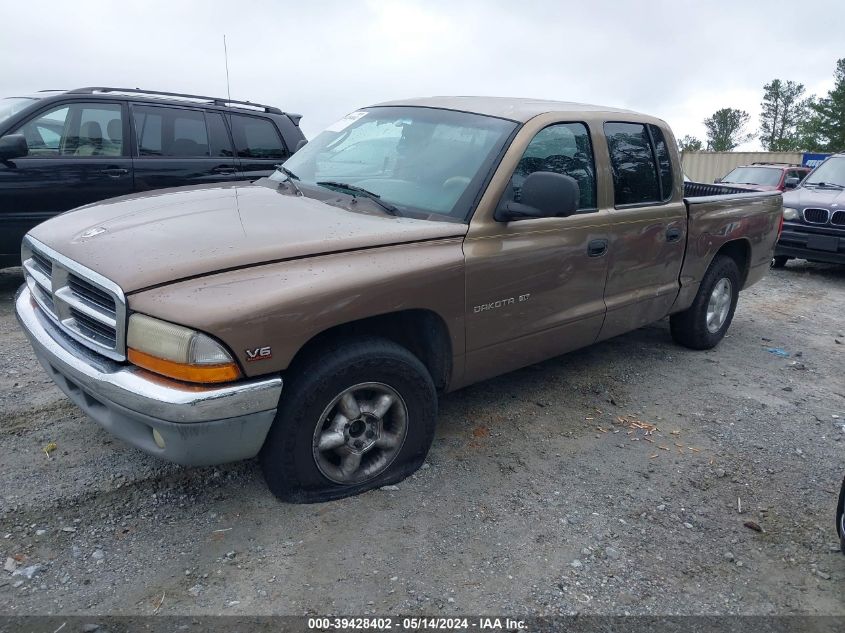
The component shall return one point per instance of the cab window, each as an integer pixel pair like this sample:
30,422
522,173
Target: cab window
632,161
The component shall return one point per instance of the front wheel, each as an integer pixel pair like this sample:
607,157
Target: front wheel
355,417
704,323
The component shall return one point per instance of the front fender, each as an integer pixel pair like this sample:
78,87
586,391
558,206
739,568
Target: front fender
281,306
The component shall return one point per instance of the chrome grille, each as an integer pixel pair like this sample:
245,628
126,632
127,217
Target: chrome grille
84,304
816,216
838,218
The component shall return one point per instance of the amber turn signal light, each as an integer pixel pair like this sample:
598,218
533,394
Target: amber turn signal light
224,372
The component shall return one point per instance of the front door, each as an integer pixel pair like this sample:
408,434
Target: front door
77,155
535,287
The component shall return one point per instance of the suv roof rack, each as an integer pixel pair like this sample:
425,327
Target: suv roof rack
764,162
219,101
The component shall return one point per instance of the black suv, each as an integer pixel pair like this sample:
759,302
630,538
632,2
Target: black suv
62,149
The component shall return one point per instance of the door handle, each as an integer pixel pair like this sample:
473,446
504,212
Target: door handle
224,169
596,248
673,235
114,172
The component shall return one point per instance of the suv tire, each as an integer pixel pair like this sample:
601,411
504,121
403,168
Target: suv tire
705,322
354,417
779,261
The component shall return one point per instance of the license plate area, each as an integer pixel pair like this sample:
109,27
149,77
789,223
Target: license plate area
828,243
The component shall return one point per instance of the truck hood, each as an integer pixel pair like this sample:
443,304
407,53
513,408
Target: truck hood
156,238
832,199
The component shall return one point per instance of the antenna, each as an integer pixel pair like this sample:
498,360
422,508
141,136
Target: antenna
226,58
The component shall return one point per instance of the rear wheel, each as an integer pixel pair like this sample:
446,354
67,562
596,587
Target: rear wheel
779,261
705,322
354,417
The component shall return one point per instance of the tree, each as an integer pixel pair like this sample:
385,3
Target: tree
726,129
783,111
825,129
690,144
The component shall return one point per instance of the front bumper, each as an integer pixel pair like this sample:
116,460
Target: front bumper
800,241
200,424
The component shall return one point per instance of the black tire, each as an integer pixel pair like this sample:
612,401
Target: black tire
779,261
840,517
288,457
689,328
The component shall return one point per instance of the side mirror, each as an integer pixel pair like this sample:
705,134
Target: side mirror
302,143
545,194
791,183
13,146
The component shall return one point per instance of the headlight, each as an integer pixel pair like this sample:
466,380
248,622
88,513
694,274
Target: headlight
790,214
178,352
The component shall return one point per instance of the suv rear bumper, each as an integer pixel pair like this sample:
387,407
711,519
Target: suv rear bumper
199,425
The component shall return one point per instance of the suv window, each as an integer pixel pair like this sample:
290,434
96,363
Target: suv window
171,132
563,148
256,138
76,129
632,161
219,142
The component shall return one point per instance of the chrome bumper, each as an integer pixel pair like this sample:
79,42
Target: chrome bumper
199,424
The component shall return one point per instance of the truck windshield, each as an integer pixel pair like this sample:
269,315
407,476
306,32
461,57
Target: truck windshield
12,105
418,160
753,176
830,172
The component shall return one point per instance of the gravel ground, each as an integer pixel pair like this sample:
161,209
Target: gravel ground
546,491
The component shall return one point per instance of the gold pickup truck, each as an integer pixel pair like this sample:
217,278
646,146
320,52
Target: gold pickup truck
412,248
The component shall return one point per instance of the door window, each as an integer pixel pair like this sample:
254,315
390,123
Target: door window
664,164
170,132
256,138
563,148
632,161
219,142
77,129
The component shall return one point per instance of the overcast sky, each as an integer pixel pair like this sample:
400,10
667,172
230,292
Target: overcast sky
680,60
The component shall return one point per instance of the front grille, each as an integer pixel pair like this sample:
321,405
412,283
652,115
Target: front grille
93,329
838,218
816,216
85,305
91,294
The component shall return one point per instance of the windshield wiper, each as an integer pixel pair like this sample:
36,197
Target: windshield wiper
291,177
353,190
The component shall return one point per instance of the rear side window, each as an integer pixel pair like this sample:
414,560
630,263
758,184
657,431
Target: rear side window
635,178
256,138
170,132
664,165
219,143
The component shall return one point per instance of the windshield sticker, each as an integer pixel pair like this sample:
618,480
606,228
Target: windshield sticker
346,121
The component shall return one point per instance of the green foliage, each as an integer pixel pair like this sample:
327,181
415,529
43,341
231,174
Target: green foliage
824,130
783,111
726,129
690,144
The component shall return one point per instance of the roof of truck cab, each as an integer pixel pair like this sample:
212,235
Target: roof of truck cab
512,108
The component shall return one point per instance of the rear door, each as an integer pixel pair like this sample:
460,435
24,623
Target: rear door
176,146
647,230
77,155
258,144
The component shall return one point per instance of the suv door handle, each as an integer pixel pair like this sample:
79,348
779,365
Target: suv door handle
673,235
596,248
224,169
114,172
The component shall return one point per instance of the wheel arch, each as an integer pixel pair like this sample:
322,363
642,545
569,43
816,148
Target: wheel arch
740,251
422,332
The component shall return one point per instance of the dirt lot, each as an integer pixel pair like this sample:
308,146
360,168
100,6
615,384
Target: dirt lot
541,493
